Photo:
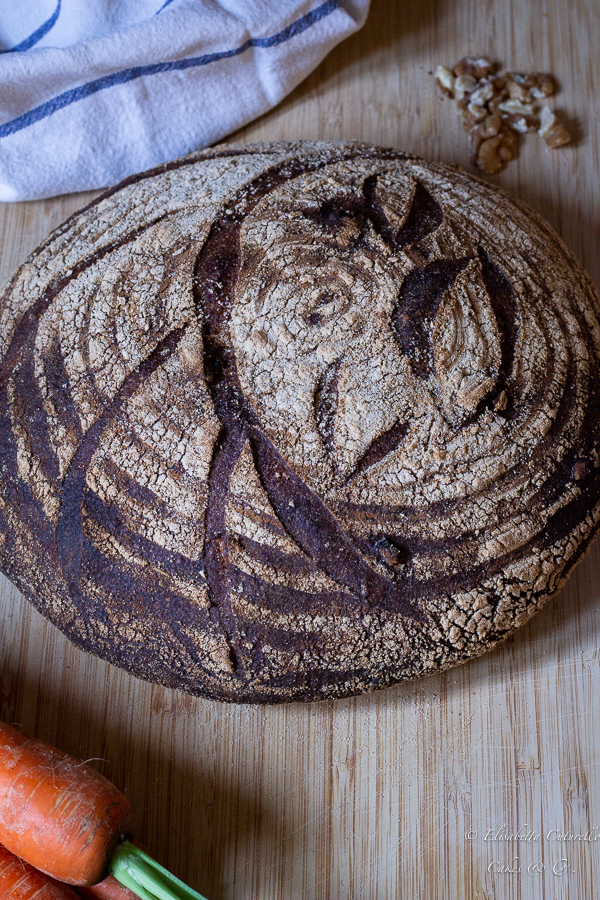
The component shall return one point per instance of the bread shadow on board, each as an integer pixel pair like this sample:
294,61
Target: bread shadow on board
568,215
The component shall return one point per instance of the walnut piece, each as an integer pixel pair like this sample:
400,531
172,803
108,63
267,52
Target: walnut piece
477,68
498,106
490,126
517,91
521,124
511,107
540,85
445,79
483,92
472,115
552,130
464,85
495,152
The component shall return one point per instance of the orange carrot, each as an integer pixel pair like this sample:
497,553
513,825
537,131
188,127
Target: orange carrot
109,889
67,820
20,881
55,812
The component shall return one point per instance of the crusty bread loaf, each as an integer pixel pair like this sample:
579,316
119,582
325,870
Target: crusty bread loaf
296,421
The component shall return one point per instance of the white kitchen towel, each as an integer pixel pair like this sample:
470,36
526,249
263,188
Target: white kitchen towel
93,90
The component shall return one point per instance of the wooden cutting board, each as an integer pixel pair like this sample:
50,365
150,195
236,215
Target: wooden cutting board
415,791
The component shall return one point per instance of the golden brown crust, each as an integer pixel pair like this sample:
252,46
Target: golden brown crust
294,421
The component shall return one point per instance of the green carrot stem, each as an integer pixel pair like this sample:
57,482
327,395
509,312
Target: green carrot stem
137,871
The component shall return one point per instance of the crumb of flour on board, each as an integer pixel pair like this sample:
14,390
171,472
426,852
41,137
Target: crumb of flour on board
498,106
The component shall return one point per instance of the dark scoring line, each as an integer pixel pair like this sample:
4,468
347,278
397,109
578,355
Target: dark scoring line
32,315
69,530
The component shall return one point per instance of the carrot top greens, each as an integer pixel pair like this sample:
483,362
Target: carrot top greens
137,871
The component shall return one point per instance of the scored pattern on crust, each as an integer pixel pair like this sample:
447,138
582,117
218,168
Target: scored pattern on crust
296,421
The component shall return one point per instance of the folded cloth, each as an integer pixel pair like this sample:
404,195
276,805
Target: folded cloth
92,90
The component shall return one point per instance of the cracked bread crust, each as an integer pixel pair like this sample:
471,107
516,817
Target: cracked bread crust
295,421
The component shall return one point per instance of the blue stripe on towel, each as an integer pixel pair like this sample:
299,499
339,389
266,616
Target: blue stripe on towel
164,6
99,84
38,34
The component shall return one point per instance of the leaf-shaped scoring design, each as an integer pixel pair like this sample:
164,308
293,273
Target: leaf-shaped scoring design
381,446
466,345
454,318
376,207
326,408
401,223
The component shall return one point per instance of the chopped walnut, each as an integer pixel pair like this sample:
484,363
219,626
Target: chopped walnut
518,91
540,85
515,107
464,85
488,155
470,120
521,124
494,152
554,132
498,106
490,126
477,68
508,148
483,92
475,113
445,78
481,134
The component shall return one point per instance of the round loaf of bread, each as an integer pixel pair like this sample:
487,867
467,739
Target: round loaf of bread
297,420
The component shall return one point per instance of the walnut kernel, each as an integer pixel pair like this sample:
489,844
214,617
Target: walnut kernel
552,130
470,65
445,79
463,85
540,85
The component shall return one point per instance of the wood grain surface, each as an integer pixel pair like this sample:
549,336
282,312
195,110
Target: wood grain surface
415,791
